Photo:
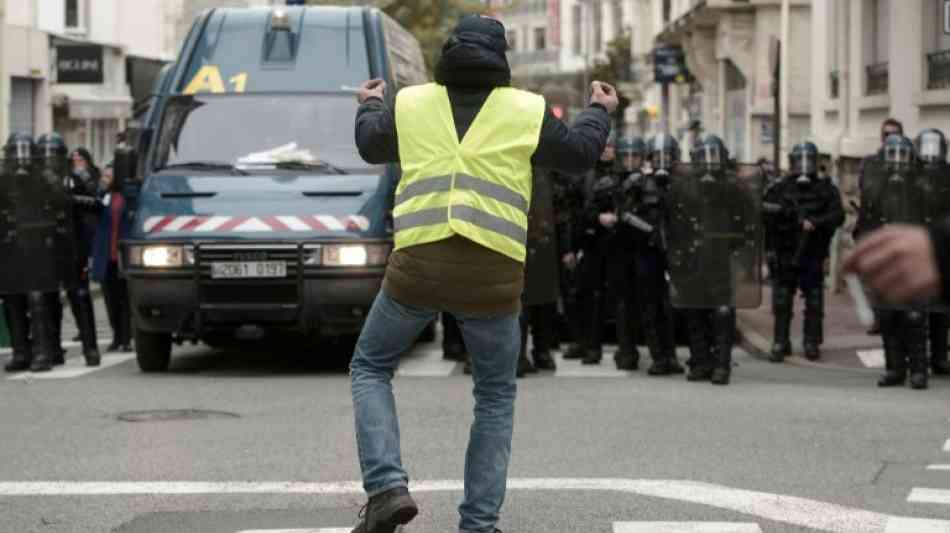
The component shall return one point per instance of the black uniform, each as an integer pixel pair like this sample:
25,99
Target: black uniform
931,146
592,267
796,257
650,268
893,190
568,198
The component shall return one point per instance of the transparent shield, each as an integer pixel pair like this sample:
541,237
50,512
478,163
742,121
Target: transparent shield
929,149
714,237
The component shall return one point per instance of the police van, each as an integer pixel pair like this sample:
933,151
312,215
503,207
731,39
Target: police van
254,214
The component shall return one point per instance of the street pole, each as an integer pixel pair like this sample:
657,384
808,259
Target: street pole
784,80
4,79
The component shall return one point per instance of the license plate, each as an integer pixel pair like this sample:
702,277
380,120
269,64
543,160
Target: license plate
249,269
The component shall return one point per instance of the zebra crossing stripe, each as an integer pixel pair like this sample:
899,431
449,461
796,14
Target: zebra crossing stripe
686,527
318,530
925,495
74,367
916,525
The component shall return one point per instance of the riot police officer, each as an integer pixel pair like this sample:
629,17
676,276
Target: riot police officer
894,190
28,228
651,207
712,249
81,188
621,265
803,211
591,236
568,199
931,146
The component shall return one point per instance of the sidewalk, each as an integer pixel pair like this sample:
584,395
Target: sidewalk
847,343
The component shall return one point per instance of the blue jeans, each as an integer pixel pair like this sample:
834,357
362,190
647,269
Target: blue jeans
493,344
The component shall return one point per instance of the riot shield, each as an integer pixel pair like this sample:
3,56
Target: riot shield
40,238
714,237
891,195
10,271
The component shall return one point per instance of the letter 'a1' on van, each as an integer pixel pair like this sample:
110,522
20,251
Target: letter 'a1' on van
254,214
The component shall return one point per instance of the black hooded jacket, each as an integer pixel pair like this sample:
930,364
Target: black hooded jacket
444,275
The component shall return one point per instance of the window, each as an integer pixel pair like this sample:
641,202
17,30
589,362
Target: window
876,46
513,40
540,38
617,14
75,11
667,11
937,46
598,26
576,25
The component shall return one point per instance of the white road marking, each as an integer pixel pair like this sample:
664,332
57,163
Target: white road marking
67,344
938,467
792,510
425,362
74,367
946,446
685,527
924,495
318,530
916,525
872,358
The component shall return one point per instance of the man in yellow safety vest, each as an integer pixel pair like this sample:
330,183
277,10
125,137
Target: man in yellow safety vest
467,145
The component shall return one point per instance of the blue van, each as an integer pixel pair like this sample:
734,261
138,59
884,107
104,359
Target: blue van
253,211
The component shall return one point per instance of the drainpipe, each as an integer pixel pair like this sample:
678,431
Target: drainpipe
843,47
4,79
784,78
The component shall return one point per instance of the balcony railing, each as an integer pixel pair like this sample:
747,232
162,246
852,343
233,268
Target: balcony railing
834,83
530,58
878,78
938,70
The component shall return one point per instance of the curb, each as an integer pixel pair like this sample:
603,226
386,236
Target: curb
759,347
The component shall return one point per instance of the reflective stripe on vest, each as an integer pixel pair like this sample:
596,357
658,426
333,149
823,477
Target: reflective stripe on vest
479,188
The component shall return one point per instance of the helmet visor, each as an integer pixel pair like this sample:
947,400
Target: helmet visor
931,148
803,163
897,156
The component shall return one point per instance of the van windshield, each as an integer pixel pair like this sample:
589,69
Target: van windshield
260,132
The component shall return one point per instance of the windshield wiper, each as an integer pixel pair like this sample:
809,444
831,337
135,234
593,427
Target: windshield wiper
302,165
206,165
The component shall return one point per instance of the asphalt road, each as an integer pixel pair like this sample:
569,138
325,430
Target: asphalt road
784,448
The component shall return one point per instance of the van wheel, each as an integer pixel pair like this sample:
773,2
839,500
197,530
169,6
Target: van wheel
153,351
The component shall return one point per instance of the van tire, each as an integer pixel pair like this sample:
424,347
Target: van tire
153,351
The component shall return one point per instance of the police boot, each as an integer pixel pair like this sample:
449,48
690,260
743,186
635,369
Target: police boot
43,331
18,322
55,306
939,324
724,325
700,364
915,343
660,366
524,365
782,310
85,317
896,368
595,334
575,351
627,356
814,316
542,331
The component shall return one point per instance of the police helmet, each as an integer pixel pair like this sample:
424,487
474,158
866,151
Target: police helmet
19,147
931,147
898,152
51,145
803,159
631,145
710,151
664,152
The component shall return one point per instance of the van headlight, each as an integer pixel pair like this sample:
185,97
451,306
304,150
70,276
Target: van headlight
353,255
161,256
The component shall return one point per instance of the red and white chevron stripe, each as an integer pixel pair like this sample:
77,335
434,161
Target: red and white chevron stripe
247,224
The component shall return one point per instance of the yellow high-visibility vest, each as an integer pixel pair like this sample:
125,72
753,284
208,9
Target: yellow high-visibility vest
479,187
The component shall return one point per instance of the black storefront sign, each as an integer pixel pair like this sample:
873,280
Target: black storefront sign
669,64
79,64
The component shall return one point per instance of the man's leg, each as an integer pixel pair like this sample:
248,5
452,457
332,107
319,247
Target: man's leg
493,344
389,331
